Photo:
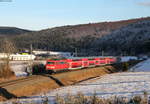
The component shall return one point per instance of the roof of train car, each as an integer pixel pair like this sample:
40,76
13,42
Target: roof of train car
82,57
90,57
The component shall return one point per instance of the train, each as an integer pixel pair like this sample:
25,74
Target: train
55,65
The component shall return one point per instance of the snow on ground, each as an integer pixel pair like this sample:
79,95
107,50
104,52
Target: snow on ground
143,66
19,67
128,58
125,84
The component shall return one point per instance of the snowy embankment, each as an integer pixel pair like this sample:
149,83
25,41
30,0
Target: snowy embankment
128,58
125,84
19,67
143,66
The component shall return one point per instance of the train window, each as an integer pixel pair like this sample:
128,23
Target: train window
91,59
50,62
76,59
61,63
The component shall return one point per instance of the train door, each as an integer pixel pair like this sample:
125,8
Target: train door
102,61
107,60
77,63
97,61
85,63
91,62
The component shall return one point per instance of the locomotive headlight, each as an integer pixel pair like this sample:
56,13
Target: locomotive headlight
50,67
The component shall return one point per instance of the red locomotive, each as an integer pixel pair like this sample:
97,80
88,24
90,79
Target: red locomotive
78,62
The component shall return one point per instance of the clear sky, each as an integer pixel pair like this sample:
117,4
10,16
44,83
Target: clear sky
42,14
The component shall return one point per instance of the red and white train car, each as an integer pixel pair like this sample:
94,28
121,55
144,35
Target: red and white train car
78,62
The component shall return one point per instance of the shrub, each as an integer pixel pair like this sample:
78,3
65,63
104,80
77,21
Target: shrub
38,69
125,66
5,71
82,99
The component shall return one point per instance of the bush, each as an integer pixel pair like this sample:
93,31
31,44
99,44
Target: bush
5,71
125,66
82,99
93,99
38,69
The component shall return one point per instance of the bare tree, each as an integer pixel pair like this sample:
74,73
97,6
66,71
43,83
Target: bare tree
7,47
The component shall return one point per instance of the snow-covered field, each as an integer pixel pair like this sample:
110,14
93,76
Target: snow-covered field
142,66
19,69
128,58
120,84
125,84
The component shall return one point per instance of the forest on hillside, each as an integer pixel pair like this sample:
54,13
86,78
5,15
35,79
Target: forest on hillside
130,37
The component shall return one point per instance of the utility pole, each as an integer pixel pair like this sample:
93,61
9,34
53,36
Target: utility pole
76,52
102,52
29,68
121,54
31,48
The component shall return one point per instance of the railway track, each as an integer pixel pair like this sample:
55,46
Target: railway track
13,82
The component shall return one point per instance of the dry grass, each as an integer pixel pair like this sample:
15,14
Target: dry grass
30,88
82,99
5,71
8,79
76,76
33,87
2,98
93,99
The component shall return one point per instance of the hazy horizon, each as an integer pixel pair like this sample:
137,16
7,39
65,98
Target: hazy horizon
38,15
68,24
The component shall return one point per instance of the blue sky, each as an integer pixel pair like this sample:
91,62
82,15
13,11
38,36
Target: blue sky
42,14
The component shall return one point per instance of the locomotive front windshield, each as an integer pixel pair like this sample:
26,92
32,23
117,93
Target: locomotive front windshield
51,63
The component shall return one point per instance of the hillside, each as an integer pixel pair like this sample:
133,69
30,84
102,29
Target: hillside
130,40
86,38
12,31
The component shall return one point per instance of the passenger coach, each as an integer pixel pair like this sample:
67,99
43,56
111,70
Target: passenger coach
77,63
